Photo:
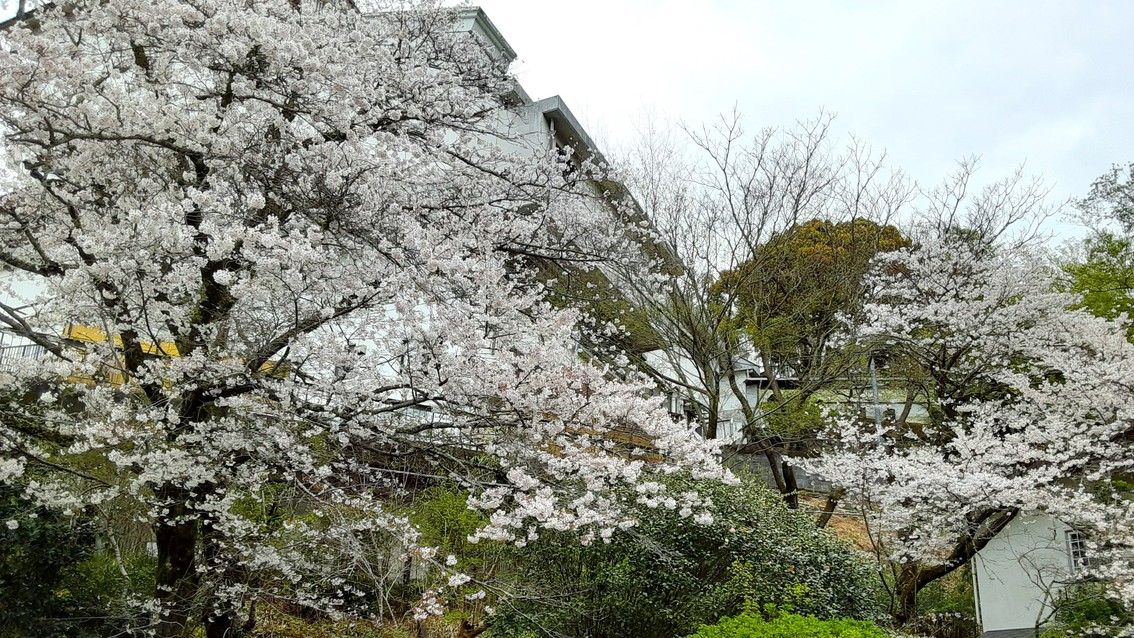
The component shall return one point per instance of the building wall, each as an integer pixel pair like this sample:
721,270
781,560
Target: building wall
1019,571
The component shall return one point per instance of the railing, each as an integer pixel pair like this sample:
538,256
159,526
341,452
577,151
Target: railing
10,355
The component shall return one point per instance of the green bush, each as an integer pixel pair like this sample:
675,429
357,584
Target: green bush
53,579
750,625
1088,609
39,552
670,575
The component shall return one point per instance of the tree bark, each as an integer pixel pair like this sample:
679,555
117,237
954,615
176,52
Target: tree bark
913,577
467,630
176,578
833,498
905,590
791,495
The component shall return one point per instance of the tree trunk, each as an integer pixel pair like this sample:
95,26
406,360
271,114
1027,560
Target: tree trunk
468,630
791,495
905,590
712,404
782,474
775,466
829,508
912,576
176,577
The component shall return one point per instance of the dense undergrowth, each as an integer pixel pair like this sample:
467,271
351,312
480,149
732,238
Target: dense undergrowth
667,576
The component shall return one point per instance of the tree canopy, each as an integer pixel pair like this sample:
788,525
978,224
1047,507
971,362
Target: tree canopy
281,257
795,291
1030,402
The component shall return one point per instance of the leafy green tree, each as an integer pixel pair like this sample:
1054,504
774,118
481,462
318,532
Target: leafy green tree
790,300
1104,276
1101,267
790,297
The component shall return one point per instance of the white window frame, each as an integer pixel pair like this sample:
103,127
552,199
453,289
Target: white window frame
1077,550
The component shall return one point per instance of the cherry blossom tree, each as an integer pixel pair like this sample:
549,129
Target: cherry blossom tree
1031,401
282,258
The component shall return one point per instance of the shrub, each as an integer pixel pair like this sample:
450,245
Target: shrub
54,581
1088,609
751,625
670,575
39,551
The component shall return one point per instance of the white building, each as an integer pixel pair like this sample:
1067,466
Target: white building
1018,575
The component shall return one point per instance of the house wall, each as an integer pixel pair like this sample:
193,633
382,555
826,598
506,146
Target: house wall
1019,571
523,131
730,427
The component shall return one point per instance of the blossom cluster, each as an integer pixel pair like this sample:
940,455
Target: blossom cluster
302,253
1031,406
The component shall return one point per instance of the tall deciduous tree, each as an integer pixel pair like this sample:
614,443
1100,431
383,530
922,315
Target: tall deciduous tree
724,200
1030,398
294,254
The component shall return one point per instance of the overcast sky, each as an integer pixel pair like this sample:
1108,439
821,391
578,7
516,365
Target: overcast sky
1046,83
1039,82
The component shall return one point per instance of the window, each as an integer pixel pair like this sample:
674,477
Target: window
1077,550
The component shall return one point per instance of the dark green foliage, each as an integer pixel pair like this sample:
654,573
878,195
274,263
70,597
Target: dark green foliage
752,625
36,559
947,606
53,579
671,575
794,421
1088,609
790,295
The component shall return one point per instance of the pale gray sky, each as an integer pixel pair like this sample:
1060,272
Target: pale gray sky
931,81
1042,82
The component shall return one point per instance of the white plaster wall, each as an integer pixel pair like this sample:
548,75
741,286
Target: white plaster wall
523,131
730,428
1019,571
